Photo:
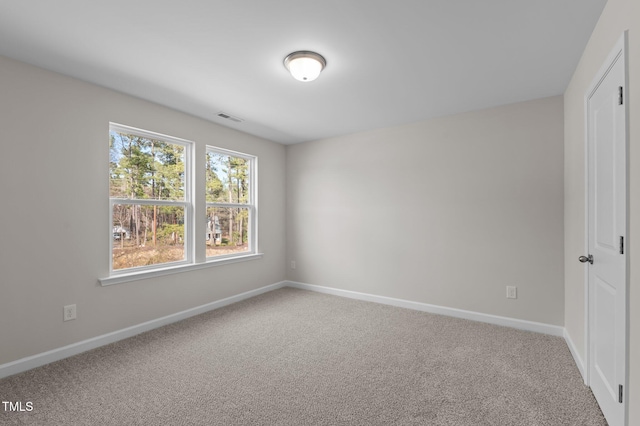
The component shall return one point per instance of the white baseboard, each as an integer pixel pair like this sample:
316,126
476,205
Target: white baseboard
576,356
38,360
537,327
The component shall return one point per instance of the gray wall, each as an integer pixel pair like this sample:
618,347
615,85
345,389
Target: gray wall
54,213
618,16
447,211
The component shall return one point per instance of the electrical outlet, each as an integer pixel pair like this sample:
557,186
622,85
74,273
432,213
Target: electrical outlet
69,313
293,264
512,292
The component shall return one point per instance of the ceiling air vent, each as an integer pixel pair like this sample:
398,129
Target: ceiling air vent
230,117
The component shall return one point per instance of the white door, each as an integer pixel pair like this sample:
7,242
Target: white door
607,226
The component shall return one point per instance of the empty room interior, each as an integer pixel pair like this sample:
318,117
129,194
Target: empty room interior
402,203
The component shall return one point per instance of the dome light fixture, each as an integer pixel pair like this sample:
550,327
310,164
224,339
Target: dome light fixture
305,65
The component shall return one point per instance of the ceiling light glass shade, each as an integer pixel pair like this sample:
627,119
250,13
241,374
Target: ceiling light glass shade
304,65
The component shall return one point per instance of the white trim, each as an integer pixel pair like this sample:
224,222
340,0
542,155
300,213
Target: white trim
230,152
585,251
576,356
57,354
158,272
537,327
123,128
38,360
148,202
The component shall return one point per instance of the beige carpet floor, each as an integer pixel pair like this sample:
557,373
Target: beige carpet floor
294,357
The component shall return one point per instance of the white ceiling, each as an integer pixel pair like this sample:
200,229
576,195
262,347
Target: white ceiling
388,62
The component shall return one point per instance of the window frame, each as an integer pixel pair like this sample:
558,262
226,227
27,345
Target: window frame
251,205
195,256
186,203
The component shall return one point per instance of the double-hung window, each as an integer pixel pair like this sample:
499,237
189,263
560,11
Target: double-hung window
154,227
231,203
151,204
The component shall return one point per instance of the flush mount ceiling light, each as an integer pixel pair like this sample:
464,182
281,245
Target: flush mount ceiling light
304,65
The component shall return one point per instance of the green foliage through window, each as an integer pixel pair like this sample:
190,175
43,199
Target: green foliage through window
143,169
229,202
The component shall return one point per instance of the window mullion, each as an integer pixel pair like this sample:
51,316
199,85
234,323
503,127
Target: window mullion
229,205
148,202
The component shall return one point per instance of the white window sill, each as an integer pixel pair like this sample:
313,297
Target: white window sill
142,275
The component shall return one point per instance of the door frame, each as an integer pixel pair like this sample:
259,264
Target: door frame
619,51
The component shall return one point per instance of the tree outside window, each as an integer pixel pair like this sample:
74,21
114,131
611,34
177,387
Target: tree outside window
230,202
148,188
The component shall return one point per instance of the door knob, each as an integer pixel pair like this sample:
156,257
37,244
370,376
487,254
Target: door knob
585,259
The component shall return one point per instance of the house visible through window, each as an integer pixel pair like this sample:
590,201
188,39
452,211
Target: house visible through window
231,205
150,199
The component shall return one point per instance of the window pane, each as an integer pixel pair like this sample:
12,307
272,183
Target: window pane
147,235
144,168
227,230
227,179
